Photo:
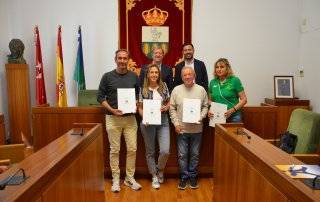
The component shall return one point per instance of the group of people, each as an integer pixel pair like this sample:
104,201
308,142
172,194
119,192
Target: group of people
156,82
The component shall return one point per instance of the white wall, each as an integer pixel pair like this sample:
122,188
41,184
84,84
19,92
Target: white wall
308,86
4,32
261,38
4,38
98,19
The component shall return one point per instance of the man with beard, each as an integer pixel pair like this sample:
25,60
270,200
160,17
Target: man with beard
189,61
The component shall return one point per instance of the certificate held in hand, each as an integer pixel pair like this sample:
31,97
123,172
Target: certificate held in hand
151,112
126,100
191,110
218,111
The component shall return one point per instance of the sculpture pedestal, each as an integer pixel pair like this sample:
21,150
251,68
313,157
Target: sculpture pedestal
17,76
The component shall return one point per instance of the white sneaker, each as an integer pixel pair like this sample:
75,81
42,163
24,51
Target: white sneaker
133,184
115,186
155,183
160,177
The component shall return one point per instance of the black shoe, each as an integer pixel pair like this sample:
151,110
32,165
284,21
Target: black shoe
194,183
182,184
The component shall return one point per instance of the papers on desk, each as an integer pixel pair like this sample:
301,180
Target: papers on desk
126,100
191,110
218,111
300,171
151,112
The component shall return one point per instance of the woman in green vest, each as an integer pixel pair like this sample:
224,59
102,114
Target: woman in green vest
227,89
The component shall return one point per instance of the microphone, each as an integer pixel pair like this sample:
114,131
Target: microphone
13,179
240,131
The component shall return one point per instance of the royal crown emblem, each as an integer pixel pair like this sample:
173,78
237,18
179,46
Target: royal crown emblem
155,35
155,16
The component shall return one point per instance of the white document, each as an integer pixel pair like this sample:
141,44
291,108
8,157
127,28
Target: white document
191,110
127,100
151,112
218,111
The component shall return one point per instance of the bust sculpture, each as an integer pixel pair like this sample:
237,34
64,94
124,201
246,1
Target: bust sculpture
16,47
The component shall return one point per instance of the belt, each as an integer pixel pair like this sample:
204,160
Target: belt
129,114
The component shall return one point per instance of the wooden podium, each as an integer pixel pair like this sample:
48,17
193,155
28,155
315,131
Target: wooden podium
17,76
285,108
244,169
70,168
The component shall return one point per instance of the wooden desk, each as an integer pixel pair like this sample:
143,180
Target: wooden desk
68,169
285,108
262,120
244,170
49,123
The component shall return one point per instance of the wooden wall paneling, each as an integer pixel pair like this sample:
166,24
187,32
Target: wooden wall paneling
285,108
39,200
225,171
69,186
64,170
252,186
207,147
93,164
2,130
261,120
17,76
83,175
50,122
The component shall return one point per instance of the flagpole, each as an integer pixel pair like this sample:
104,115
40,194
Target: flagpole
41,98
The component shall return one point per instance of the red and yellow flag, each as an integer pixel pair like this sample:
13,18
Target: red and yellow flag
61,92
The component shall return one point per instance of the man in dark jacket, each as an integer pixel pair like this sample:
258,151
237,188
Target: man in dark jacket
166,71
189,61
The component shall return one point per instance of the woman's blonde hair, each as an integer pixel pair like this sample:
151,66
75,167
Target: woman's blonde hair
226,62
146,82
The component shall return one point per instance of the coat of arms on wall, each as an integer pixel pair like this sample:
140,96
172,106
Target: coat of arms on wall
146,24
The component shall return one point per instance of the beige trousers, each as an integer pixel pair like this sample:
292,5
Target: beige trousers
116,126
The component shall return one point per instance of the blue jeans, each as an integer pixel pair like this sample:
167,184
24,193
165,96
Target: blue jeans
162,133
237,118
188,154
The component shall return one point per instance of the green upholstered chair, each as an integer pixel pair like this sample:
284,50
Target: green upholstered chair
306,125
87,98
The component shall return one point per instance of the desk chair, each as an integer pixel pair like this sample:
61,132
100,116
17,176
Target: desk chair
306,126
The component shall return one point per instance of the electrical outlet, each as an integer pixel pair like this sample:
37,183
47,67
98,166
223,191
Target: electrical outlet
301,72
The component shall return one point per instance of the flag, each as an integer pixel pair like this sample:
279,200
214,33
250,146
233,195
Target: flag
61,92
41,97
78,75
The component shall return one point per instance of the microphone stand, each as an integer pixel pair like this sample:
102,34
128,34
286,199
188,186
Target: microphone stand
7,181
242,132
